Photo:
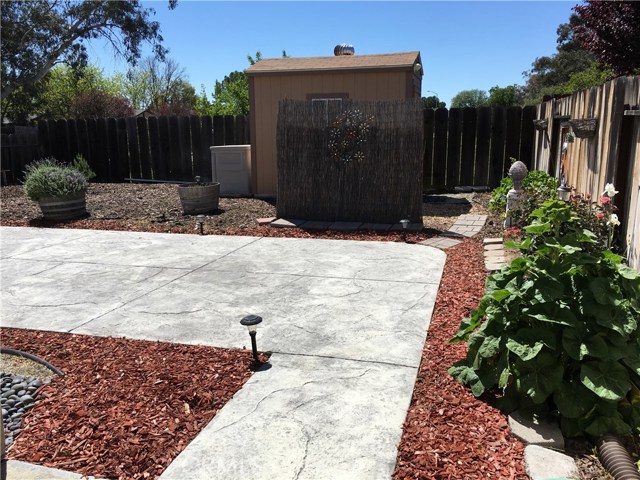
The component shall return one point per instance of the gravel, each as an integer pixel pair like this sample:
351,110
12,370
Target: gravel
18,395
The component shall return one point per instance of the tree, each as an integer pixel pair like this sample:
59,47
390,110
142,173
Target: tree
95,103
469,98
231,95
550,75
38,35
54,96
159,85
505,96
63,85
611,32
432,102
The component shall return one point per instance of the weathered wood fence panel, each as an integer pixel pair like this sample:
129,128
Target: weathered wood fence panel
609,155
154,148
354,161
472,147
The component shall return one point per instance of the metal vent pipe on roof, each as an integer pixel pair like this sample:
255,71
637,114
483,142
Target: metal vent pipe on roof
344,49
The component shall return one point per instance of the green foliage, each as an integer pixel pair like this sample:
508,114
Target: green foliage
432,102
38,35
160,87
469,98
557,331
80,163
505,96
538,186
50,178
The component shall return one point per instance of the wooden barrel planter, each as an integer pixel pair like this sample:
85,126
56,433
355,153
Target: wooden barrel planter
67,207
199,198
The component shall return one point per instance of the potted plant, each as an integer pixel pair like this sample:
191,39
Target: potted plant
199,197
59,189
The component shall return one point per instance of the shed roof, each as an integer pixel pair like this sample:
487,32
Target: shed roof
387,61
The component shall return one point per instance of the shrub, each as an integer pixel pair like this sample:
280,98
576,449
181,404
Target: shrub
557,330
49,178
80,163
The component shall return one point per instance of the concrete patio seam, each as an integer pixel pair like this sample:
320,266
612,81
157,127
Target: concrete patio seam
357,360
157,288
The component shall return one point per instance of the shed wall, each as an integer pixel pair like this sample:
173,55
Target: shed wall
268,90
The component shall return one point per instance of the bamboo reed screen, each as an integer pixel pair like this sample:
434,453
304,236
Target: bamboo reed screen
377,178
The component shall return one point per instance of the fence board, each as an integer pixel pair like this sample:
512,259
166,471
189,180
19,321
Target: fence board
135,171
229,129
218,131
527,135
72,139
155,150
496,154
83,139
427,174
185,148
196,145
206,141
439,177
164,163
468,151
512,142
144,148
453,147
102,150
120,164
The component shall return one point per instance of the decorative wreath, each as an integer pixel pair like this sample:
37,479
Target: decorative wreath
347,135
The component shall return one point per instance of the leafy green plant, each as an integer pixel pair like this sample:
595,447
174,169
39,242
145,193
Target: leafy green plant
557,331
80,163
49,178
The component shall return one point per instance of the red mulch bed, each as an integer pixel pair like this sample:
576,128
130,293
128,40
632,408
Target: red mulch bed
448,433
125,408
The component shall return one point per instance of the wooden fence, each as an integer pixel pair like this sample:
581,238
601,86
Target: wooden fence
472,146
611,154
155,148
353,161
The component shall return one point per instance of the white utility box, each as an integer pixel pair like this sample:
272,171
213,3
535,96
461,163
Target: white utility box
231,165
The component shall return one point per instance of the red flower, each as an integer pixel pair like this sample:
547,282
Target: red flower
604,199
587,196
600,215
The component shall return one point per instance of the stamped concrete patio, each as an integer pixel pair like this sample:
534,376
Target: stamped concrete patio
346,322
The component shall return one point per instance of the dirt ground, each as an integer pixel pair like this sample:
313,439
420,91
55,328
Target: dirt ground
156,207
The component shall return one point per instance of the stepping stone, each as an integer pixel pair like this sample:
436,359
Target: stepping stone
378,227
491,241
265,221
544,464
345,226
440,242
287,223
493,246
492,267
317,225
536,431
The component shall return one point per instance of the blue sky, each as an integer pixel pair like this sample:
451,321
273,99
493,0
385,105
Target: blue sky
464,45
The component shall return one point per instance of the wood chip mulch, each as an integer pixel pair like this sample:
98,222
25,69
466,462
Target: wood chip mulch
125,408
449,434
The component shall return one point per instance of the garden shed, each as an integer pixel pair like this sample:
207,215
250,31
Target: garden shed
391,76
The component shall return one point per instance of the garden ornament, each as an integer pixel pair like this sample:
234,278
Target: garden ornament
517,172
